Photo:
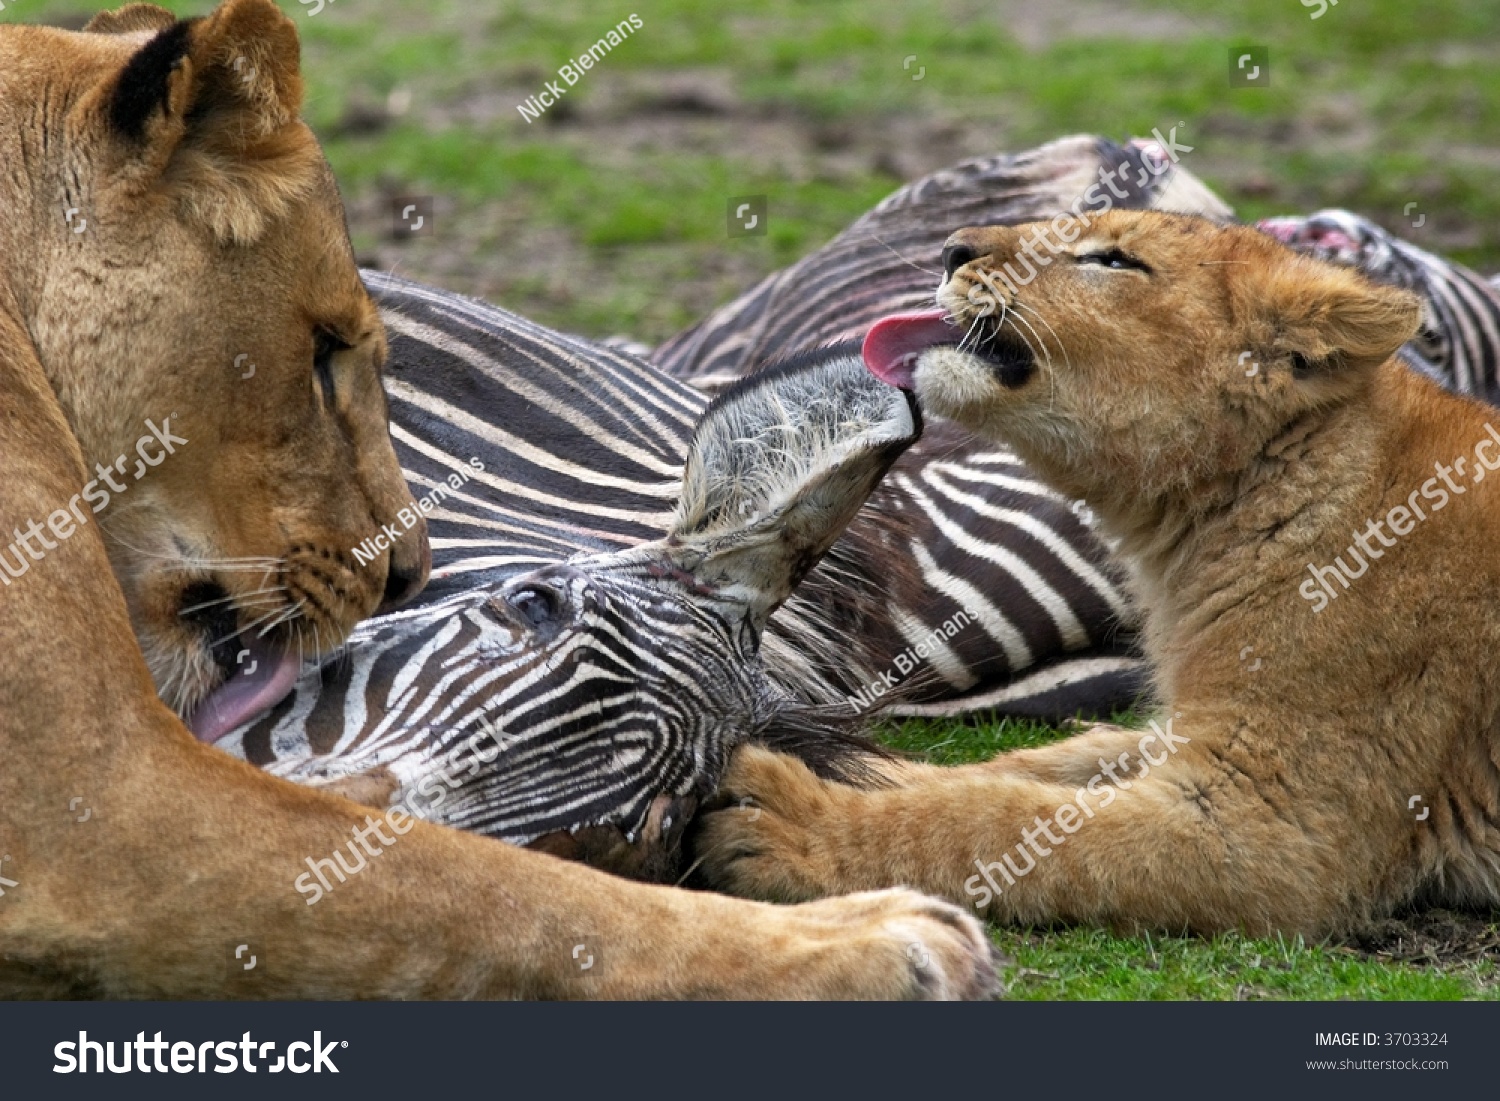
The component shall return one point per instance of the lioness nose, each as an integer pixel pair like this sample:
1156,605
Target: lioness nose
401,584
411,561
956,254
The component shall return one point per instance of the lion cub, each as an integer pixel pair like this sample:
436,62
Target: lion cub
1308,523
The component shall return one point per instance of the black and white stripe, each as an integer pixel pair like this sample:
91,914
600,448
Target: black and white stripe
966,583
579,726
581,449
962,527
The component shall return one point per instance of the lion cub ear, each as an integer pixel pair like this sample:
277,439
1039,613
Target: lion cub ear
130,19
1332,319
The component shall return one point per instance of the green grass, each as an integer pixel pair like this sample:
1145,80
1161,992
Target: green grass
979,739
1094,965
1074,963
608,215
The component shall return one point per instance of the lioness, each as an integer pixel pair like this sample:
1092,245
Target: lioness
1301,513
177,290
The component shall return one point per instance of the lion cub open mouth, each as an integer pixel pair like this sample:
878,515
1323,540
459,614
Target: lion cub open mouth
1279,483
895,343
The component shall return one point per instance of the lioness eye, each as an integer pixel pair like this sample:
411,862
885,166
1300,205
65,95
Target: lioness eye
325,344
1115,259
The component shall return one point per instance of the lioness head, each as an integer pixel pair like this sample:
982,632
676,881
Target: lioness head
174,243
1148,352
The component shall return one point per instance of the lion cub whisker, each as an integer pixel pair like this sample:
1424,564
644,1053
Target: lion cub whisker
1017,320
973,325
909,263
1036,313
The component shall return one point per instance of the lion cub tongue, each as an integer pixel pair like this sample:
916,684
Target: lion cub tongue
262,679
893,343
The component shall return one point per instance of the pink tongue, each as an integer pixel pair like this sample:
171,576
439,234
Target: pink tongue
893,343
259,682
1283,229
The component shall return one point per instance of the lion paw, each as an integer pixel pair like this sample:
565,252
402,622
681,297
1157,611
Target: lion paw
900,944
772,839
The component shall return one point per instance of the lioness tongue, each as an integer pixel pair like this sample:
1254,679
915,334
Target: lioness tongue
261,680
893,343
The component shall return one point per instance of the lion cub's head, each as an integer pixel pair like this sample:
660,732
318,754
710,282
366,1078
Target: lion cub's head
174,243
1145,351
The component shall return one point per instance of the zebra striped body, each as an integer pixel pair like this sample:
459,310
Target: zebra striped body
520,732
604,691
581,454
585,454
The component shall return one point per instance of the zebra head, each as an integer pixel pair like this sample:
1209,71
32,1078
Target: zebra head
588,706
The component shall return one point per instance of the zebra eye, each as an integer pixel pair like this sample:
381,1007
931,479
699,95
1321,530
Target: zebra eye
537,605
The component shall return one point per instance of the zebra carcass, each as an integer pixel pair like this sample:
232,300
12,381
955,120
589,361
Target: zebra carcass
589,705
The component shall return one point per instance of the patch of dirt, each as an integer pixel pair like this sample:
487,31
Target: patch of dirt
496,249
625,119
1037,24
1444,939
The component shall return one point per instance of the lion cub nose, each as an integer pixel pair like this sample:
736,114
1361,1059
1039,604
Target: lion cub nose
956,254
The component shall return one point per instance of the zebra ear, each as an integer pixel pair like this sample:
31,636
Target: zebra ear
778,466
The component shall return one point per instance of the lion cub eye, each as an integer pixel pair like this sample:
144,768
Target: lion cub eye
325,346
1114,259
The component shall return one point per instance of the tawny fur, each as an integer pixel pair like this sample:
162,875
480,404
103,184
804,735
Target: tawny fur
1316,739
169,296
218,233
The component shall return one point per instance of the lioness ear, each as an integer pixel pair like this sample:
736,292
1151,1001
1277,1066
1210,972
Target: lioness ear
209,104
1331,318
779,465
242,61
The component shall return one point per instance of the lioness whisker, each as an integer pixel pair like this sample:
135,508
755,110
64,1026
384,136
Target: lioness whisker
243,564
210,564
241,599
337,654
275,611
291,612
693,867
